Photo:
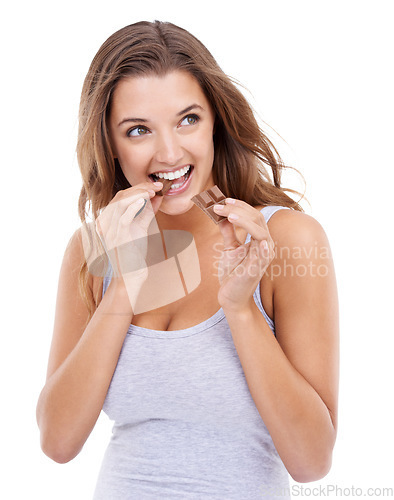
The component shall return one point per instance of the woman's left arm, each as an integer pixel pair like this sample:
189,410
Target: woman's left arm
293,377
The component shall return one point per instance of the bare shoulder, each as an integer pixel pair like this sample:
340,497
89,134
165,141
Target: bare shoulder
74,258
292,227
74,254
298,239
302,252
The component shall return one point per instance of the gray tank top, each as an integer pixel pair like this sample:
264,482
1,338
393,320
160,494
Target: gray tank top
185,424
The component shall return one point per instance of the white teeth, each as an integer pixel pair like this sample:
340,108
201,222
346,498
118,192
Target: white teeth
173,175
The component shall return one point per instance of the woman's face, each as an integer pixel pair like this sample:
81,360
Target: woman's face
164,126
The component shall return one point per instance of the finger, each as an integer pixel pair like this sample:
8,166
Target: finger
230,240
133,211
146,216
137,223
261,252
153,187
156,201
121,204
239,207
245,216
258,252
129,207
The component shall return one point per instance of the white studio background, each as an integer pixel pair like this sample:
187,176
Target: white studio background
320,74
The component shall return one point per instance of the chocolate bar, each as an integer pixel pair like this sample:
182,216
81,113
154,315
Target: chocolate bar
207,199
166,186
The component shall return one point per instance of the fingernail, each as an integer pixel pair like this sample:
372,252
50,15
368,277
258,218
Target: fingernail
218,208
140,201
158,184
233,217
230,200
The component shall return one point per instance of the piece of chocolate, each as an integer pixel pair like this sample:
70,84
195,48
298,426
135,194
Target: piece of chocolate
207,199
166,186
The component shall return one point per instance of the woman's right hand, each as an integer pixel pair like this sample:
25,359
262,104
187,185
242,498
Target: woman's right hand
123,228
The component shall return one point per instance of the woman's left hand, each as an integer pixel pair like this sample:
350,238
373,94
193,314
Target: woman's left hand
242,266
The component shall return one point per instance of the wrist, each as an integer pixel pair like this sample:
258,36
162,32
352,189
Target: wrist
119,297
243,309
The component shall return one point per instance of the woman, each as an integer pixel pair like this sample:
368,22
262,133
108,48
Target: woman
224,389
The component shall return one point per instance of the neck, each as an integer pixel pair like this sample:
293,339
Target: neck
194,221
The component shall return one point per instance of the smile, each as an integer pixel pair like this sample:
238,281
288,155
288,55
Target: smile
181,179
171,175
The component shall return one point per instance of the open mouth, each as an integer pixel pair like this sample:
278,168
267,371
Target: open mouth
178,178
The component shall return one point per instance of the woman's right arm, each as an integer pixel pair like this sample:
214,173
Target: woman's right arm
82,359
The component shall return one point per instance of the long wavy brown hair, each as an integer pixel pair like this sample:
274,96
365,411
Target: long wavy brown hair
246,164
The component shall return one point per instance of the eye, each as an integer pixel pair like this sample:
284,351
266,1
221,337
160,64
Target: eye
137,131
190,120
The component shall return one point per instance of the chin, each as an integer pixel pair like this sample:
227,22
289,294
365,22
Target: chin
176,208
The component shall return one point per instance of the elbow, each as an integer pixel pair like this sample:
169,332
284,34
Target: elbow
57,450
312,472
56,443
313,462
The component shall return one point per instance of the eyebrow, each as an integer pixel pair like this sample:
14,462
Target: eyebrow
143,120
189,108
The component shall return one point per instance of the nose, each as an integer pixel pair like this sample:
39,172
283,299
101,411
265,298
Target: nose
169,150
